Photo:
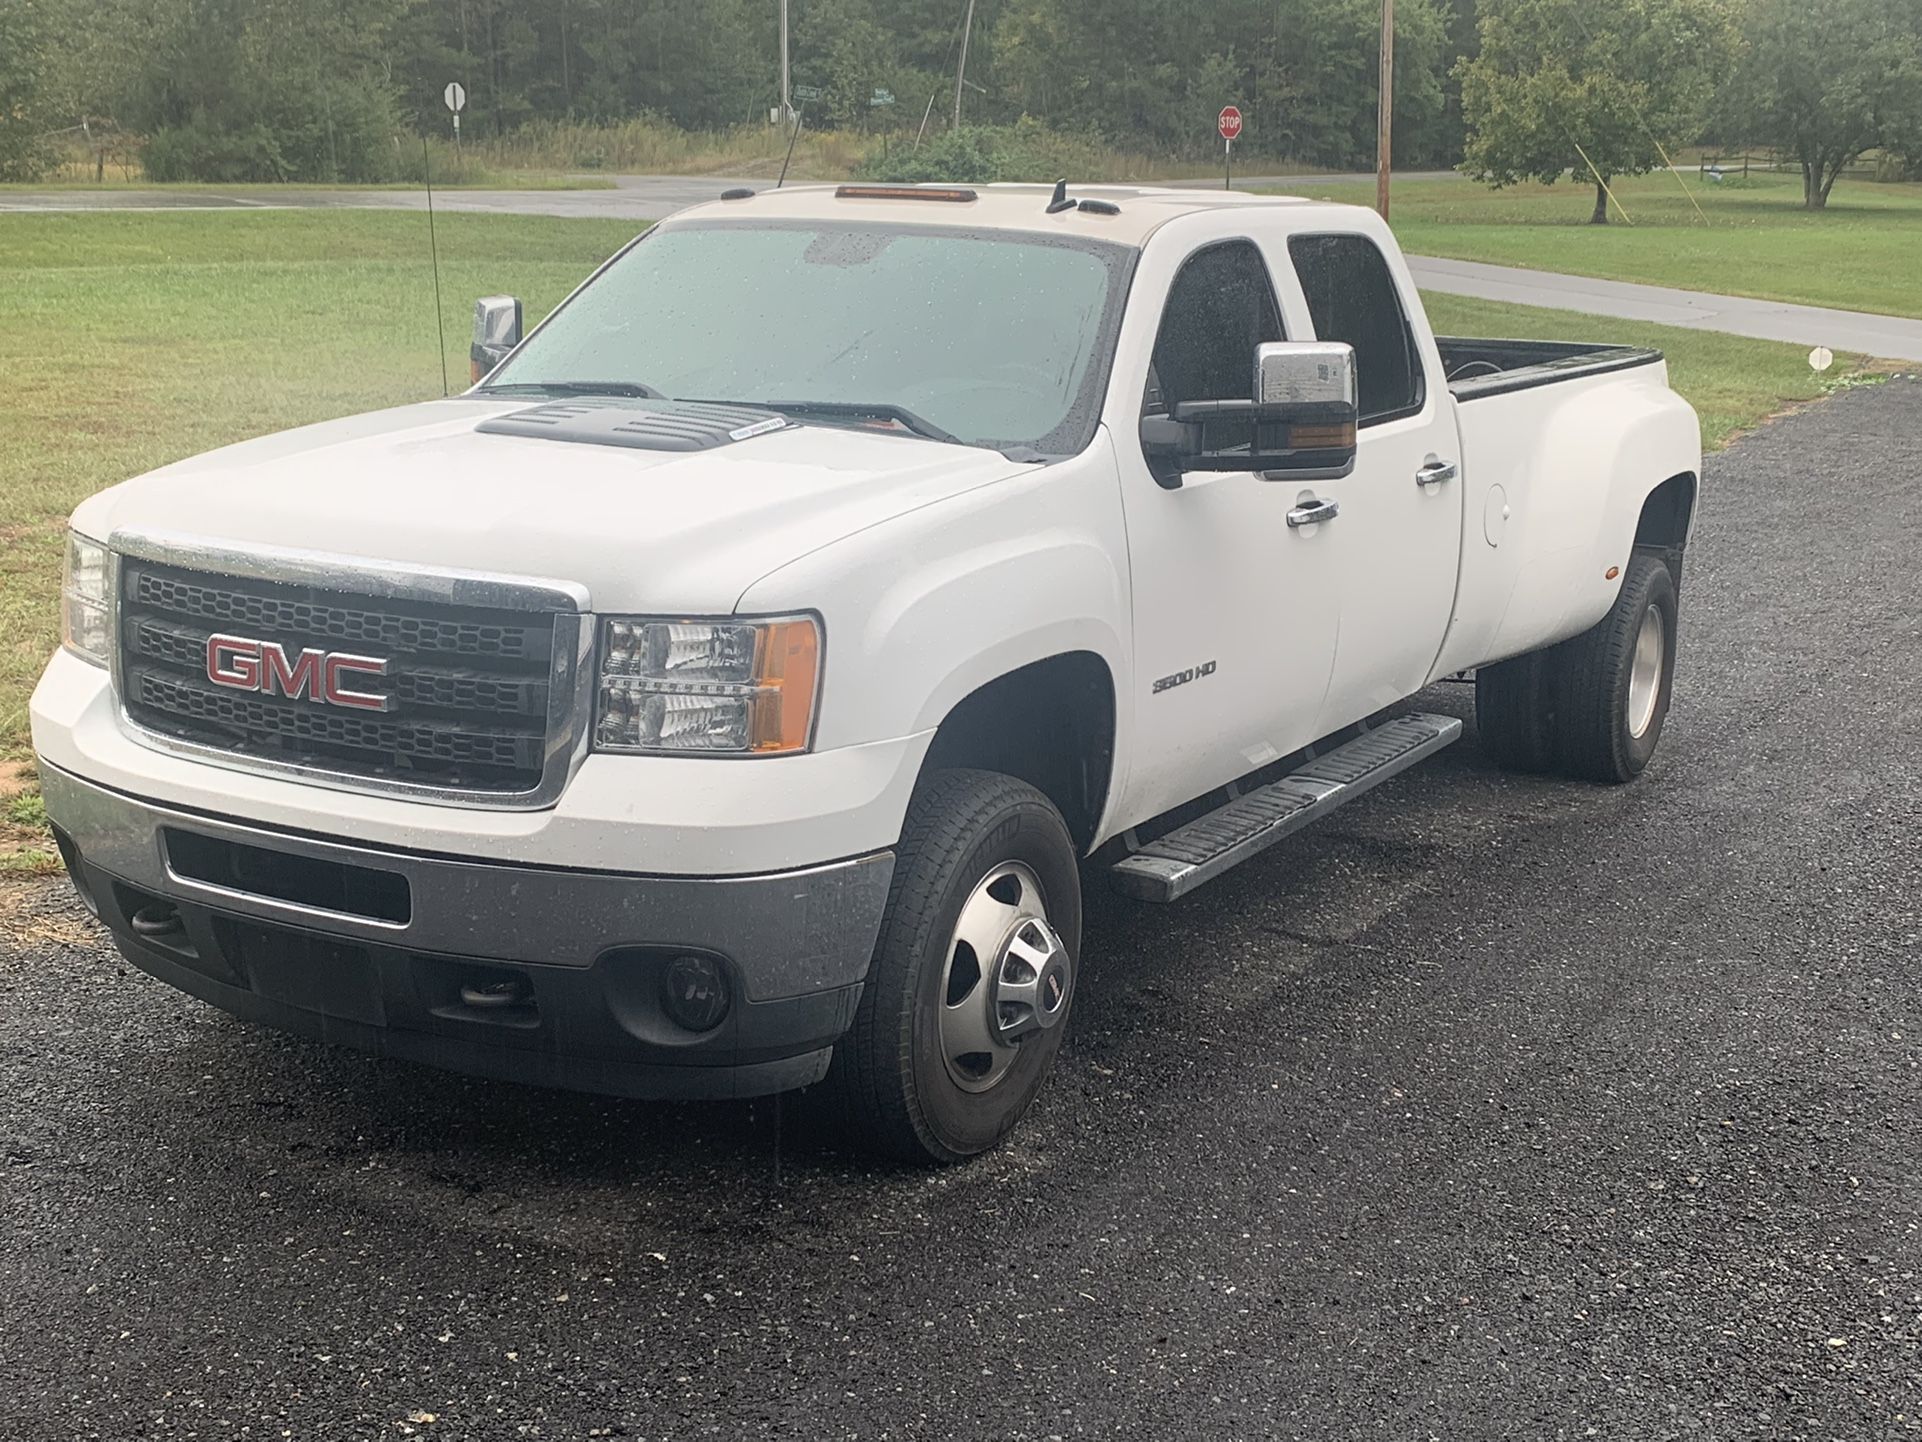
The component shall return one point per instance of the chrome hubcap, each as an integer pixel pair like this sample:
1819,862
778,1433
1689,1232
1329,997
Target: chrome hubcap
1007,977
1645,674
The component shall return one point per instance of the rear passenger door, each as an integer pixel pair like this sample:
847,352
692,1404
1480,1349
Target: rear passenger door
1398,535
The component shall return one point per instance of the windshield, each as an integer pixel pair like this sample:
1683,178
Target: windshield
1000,340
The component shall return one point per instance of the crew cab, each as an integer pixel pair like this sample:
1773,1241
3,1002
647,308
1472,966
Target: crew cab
732,691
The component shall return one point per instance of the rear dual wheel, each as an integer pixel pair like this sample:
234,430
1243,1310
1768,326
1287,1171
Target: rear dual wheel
1593,706
973,974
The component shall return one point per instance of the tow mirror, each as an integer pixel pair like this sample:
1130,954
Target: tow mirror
1299,424
497,330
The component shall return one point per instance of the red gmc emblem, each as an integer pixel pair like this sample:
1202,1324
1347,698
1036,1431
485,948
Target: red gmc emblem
245,664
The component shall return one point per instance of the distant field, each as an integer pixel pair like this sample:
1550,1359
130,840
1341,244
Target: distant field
134,339
1860,254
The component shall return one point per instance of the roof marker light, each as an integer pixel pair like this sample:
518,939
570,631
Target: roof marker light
904,192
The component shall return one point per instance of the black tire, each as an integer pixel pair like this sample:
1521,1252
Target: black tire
889,1088
1515,712
1592,675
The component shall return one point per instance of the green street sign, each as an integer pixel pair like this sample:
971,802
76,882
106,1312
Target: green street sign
882,97
808,92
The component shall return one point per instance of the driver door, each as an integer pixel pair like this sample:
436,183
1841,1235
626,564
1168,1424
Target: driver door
1235,612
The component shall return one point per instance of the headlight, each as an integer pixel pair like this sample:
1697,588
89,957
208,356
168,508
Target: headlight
86,614
716,687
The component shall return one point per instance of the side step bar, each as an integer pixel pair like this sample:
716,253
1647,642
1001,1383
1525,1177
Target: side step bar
1207,846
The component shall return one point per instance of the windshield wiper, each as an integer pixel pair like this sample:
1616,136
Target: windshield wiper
864,411
633,390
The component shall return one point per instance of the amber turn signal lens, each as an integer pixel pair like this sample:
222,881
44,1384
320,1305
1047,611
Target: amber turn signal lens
787,669
1321,438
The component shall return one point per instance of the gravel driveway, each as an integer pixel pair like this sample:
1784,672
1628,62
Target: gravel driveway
1494,1108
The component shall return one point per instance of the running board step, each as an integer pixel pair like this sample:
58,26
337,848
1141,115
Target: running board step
1251,823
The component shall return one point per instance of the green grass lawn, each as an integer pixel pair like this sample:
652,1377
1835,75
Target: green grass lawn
130,340
1860,254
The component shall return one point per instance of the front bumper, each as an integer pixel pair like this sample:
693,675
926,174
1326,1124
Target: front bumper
384,950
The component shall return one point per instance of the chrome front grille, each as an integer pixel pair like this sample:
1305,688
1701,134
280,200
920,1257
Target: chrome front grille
314,616
480,697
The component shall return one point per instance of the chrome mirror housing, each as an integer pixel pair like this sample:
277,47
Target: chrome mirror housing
1300,423
497,330
1305,380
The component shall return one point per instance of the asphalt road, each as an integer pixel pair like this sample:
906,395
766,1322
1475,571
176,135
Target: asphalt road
1494,1108
1884,337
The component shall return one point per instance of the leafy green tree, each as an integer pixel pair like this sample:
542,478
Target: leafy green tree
1600,90
24,36
242,90
1319,82
1826,80
848,54
1147,74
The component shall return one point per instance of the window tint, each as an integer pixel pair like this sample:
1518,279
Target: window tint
1351,297
1222,306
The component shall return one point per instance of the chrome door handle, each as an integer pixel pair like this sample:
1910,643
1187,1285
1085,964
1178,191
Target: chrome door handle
1312,513
1435,472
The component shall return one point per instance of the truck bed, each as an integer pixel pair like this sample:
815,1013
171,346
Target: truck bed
1479,368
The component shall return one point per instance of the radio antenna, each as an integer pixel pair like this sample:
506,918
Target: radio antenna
793,135
433,249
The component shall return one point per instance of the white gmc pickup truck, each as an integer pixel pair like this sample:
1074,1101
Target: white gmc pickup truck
731,692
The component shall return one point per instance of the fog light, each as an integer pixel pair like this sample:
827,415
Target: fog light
694,992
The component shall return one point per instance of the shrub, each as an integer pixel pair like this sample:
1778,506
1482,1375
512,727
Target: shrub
23,156
200,151
981,154
343,131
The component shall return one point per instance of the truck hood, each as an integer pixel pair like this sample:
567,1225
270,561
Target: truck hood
641,530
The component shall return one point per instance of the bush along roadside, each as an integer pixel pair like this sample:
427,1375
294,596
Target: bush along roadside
981,154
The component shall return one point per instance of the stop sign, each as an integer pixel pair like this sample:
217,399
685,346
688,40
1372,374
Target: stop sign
1230,122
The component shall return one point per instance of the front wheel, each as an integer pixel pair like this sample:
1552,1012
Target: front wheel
973,974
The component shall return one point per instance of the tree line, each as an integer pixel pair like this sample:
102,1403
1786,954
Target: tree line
319,89
314,88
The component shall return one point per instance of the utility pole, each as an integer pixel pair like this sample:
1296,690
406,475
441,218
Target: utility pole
1385,122
961,71
787,103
